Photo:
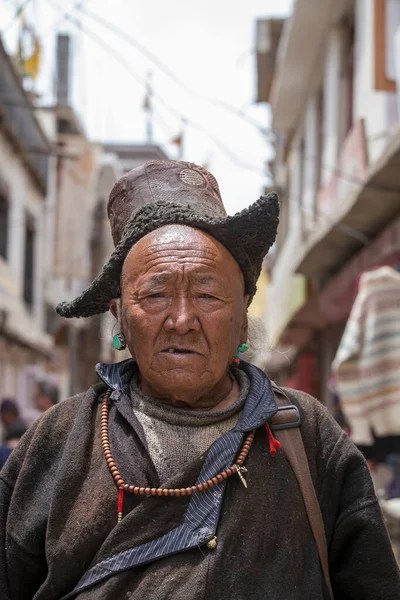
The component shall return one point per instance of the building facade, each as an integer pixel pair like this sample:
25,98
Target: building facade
78,238
25,345
334,98
54,236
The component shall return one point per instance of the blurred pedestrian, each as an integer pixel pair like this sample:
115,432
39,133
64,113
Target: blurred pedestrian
46,396
14,428
11,441
11,419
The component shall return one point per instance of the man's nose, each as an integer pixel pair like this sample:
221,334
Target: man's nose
182,317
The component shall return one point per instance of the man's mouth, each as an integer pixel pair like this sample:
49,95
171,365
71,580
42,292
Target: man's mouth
178,351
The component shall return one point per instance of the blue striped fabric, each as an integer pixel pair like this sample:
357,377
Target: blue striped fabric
203,511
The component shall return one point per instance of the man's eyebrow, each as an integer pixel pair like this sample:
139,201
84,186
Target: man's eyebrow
161,278
202,278
158,279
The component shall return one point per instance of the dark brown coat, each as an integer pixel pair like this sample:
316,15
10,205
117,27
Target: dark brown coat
58,506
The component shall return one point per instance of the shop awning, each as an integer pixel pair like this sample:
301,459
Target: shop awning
268,32
369,205
299,51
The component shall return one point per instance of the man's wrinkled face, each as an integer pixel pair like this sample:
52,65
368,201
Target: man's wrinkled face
183,311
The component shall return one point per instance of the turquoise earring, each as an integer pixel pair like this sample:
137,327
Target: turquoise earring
241,348
119,341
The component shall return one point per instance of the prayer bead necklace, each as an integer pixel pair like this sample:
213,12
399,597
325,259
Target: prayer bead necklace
146,491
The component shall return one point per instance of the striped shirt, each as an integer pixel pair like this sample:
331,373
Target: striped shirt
367,363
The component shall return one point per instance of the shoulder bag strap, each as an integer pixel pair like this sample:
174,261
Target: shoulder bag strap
285,425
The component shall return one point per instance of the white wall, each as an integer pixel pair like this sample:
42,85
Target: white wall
332,109
279,298
23,197
50,214
295,184
38,311
311,162
369,104
376,108
77,197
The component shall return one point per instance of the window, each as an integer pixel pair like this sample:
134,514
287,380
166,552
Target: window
4,209
346,84
349,79
320,139
302,201
386,22
29,263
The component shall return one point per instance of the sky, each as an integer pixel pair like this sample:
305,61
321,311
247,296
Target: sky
207,46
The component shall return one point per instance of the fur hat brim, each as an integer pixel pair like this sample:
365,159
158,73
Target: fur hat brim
248,235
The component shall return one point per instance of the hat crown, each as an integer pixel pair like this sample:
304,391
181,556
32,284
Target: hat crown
172,181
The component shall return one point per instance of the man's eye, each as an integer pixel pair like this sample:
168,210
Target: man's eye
206,296
158,295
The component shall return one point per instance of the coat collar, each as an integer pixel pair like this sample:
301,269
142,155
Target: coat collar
203,512
259,407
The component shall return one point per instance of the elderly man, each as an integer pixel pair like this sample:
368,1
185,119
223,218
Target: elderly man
166,480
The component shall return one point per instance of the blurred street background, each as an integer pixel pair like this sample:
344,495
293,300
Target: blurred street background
297,96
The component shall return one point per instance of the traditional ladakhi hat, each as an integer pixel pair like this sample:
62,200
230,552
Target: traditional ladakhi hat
167,192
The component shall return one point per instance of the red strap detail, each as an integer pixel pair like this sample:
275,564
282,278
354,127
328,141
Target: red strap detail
274,444
120,499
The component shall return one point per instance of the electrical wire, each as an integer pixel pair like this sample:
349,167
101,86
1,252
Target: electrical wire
169,73
17,13
141,81
339,173
54,28
352,232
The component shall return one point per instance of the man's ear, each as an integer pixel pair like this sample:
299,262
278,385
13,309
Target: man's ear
245,324
114,308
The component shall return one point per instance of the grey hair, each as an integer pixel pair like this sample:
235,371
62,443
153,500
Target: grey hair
119,313
257,340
